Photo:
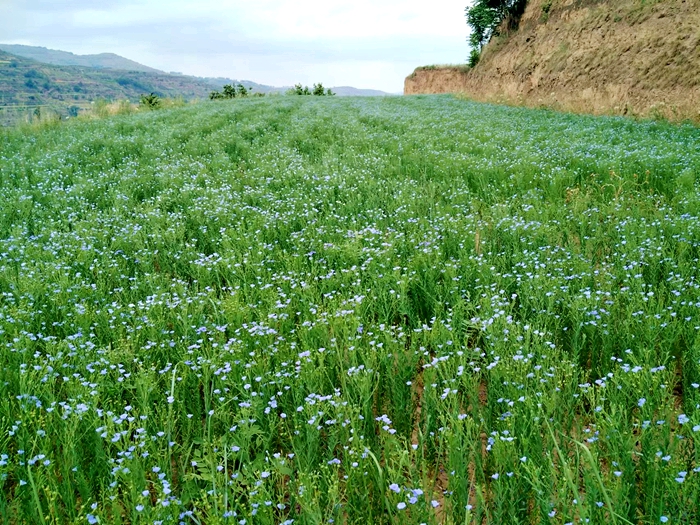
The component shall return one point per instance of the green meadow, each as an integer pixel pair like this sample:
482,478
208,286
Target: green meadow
403,310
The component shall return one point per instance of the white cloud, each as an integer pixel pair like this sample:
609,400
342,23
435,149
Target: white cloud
363,43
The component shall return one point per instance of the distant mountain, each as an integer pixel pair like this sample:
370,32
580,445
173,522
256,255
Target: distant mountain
348,91
112,61
26,84
65,58
65,82
341,91
220,82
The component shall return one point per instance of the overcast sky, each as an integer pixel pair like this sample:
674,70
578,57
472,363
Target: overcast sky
366,44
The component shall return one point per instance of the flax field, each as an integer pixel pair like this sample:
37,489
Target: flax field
402,310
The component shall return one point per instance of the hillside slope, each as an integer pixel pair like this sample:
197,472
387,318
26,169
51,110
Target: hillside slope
32,77
113,61
636,57
26,84
66,58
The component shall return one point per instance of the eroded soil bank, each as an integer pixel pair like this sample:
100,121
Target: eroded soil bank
623,57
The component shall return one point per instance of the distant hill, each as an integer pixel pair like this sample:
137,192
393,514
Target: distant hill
348,91
112,61
219,82
341,91
65,58
32,77
26,84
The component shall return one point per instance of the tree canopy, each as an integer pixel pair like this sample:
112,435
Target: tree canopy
486,16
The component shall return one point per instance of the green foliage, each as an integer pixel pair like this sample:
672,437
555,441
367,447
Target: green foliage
318,90
546,8
151,101
298,89
229,91
383,311
483,21
486,16
474,56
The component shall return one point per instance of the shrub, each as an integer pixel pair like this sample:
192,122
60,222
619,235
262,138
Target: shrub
318,90
299,90
151,101
229,91
474,57
546,8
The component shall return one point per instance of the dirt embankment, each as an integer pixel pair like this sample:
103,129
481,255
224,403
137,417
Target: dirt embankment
627,57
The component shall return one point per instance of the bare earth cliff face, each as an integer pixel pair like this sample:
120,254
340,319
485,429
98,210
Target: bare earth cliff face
637,57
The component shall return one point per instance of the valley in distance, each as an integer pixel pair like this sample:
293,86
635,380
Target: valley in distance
36,79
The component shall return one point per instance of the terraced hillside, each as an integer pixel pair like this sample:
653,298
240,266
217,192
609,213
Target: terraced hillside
26,84
63,58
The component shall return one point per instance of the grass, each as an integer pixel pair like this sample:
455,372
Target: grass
391,310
